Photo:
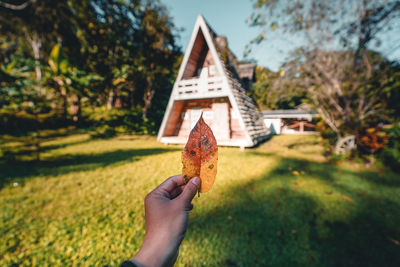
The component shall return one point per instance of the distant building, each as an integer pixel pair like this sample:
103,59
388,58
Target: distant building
211,81
290,121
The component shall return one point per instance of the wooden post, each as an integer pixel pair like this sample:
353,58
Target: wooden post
301,126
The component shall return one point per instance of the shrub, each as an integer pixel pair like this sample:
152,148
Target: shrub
110,122
371,139
390,154
104,131
20,123
328,135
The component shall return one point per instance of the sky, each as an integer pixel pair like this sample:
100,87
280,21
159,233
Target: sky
227,17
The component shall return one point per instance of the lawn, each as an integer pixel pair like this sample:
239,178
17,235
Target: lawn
281,204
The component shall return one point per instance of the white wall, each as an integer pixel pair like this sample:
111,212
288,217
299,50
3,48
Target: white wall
273,125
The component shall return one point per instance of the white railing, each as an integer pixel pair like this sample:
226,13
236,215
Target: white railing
199,86
188,86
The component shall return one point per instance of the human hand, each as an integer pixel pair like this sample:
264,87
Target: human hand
166,212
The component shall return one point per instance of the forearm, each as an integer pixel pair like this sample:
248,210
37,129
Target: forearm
158,252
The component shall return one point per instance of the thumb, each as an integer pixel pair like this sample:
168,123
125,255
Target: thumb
190,191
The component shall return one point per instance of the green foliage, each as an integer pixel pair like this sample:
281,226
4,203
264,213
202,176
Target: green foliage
57,64
272,91
29,146
110,122
326,132
390,154
83,205
335,59
392,87
20,90
64,56
20,123
104,132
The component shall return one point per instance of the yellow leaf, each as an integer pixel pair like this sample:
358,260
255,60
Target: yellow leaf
118,81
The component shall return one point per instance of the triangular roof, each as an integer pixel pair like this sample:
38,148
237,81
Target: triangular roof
250,119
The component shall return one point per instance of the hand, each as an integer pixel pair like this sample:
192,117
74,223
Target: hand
166,212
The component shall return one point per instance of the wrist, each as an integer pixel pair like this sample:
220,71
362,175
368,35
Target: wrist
153,253
137,263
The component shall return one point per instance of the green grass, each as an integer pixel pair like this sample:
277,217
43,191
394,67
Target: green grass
280,204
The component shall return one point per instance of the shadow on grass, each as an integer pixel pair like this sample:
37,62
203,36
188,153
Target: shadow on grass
64,145
18,171
303,143
328,172
43,149
271,222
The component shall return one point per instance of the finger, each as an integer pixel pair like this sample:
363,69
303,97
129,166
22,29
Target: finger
171,183
190,191
176,192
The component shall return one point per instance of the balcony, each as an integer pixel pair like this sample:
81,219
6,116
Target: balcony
200,88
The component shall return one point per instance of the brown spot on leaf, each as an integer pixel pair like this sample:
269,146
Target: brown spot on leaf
205,148
185,178
204,142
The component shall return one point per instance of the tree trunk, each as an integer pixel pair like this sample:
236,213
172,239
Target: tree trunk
16,6
76,107
117,99
131,98
36,44
64,97
147,97
110,100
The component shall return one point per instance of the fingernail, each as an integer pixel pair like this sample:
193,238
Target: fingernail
196,181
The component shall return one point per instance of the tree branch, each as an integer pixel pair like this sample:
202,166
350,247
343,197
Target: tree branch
16,7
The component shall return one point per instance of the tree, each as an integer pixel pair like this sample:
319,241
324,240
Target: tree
132,46
97,53
40,25
334,62
273,91
158,52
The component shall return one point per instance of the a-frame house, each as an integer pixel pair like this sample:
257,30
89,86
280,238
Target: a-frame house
210,80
